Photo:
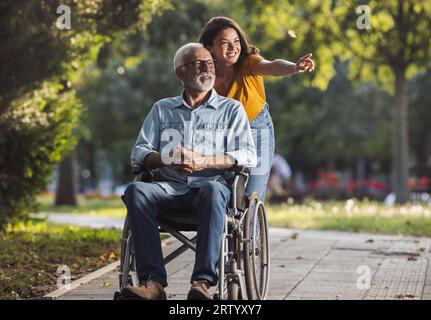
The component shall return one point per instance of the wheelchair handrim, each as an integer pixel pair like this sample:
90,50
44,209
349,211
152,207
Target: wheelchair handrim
261,284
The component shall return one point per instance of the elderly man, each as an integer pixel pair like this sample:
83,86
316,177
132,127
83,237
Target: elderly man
193,140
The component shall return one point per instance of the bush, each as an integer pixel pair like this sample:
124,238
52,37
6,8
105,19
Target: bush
37,114
35,132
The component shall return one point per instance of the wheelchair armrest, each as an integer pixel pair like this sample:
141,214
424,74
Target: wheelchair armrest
137,169
238,187
240,170
140,173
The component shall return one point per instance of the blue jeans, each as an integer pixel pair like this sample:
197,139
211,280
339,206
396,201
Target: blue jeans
262,129
209,203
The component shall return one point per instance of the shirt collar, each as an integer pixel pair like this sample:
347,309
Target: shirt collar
211,102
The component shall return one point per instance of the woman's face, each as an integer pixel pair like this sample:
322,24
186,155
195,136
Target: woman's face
226,47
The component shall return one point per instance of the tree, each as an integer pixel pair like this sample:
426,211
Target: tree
315,127
132,73
396,48
41,66
65,194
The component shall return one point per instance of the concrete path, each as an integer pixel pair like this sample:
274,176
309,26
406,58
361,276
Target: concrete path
82,220
314,265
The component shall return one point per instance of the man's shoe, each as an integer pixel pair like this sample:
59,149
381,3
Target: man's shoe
200,291
147,290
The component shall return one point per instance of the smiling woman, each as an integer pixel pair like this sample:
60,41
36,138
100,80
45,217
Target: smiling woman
239,75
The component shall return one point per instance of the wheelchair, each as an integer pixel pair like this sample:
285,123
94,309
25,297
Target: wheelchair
243,267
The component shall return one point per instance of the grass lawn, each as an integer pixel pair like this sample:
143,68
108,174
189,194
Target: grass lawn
355,216
350,215
31,252
109,207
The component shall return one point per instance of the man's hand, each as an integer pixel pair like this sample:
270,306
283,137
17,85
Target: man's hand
192,159
305,63
188,160
181,168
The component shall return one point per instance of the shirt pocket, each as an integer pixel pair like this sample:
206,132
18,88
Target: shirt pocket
210,137
214,126
171,125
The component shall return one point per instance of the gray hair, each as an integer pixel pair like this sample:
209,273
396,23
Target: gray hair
181,53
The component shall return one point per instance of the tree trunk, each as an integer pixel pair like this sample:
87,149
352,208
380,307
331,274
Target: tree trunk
65,193
400,143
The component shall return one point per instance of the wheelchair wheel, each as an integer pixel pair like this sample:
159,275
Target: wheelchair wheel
128,274
256,250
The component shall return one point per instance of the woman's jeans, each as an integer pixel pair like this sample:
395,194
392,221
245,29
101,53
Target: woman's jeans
263,136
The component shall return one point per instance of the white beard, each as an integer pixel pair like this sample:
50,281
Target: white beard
198,85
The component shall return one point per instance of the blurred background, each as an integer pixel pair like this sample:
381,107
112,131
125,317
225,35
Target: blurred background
73,100
78,77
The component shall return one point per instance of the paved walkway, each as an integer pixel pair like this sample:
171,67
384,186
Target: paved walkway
82,220
315,265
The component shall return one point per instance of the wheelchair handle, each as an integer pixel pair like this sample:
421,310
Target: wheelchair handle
240,170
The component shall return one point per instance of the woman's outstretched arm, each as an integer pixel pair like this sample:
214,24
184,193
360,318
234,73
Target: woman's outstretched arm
281,67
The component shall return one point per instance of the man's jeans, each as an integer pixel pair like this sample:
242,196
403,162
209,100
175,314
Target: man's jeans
209,203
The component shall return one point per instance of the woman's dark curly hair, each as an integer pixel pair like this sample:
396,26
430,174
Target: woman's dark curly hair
217,24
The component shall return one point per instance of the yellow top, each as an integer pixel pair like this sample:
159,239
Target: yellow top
248,88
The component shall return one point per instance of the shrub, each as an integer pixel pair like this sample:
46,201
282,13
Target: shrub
35,132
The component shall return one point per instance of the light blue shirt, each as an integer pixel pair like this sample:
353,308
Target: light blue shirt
219,126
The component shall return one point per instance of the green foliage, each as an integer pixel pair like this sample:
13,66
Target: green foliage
399,36
41,67
339,122
37,130
398,40
132,73
350,119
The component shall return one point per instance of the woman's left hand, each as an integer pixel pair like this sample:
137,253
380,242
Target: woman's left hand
305,63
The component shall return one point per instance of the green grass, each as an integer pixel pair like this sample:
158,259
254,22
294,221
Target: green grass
350,215
355,216
109,207
31,252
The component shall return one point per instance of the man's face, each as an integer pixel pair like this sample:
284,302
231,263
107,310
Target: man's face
198,71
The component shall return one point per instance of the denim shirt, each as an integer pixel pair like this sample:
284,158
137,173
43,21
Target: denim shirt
219,126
